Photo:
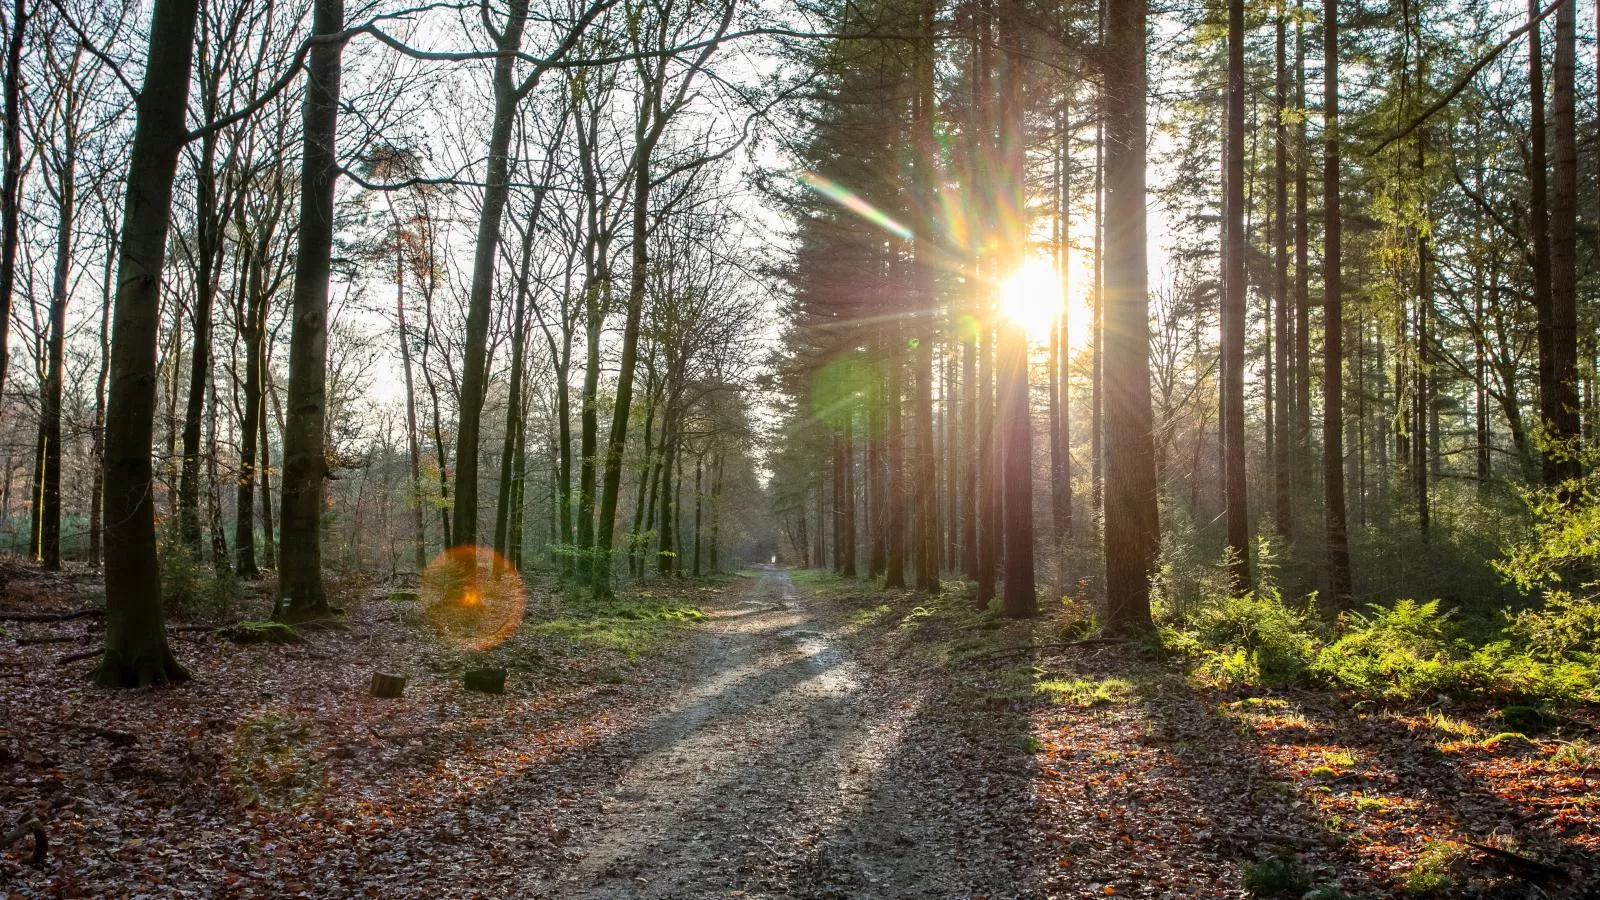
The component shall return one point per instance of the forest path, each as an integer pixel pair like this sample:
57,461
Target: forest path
771,773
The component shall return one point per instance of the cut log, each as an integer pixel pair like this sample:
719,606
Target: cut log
29,825
386,685
486,681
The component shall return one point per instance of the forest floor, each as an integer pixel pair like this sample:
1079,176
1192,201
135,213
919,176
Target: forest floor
759,735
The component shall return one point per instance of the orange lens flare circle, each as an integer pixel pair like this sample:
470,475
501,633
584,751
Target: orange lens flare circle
472,597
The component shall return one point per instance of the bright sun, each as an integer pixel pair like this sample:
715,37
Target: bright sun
1032,298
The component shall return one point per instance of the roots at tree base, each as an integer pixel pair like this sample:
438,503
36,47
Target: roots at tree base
144,670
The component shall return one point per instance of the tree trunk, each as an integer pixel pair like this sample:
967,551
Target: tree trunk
1234,488
11,181
207,247
1016,427
419,522
305,465
1561,399
1333,321
508,446
699,504
98,481
136,651
1132,526
474,377
640,246
50,409
1283,480
1302,463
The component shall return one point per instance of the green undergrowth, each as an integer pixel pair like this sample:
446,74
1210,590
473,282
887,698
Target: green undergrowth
1403,651
568,637
631,626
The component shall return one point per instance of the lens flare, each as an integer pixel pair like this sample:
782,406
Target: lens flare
849,200
472,598
1031,297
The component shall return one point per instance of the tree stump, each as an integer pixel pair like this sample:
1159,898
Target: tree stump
486,681
387,685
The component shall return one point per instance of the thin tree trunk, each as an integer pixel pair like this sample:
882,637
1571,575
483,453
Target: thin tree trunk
50,411
699,504
253,330
11,181
508,446
1303,467
98,479
1283,481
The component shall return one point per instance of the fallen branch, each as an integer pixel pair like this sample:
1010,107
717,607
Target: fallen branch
29,825
51,617
1523,866
74,657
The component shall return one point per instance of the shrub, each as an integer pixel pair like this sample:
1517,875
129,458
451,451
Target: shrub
1257,637
192,588
1401,652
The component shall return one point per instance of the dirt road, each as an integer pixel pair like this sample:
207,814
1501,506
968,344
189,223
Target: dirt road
785,767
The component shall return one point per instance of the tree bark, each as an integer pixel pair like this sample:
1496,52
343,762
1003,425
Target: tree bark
136,652
1560,400
1234,487
1333,321
1282,477
11,181
1132,526
305,465
50,408
474,377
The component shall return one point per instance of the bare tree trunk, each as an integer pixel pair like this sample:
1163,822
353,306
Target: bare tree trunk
507,95
1561,399
1283,479
894,575
50,409
1234,487
1132,526
1333,320
1303,468
207,248
136,651
97,485
305,465
926,486
513,437
11,181
699,505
